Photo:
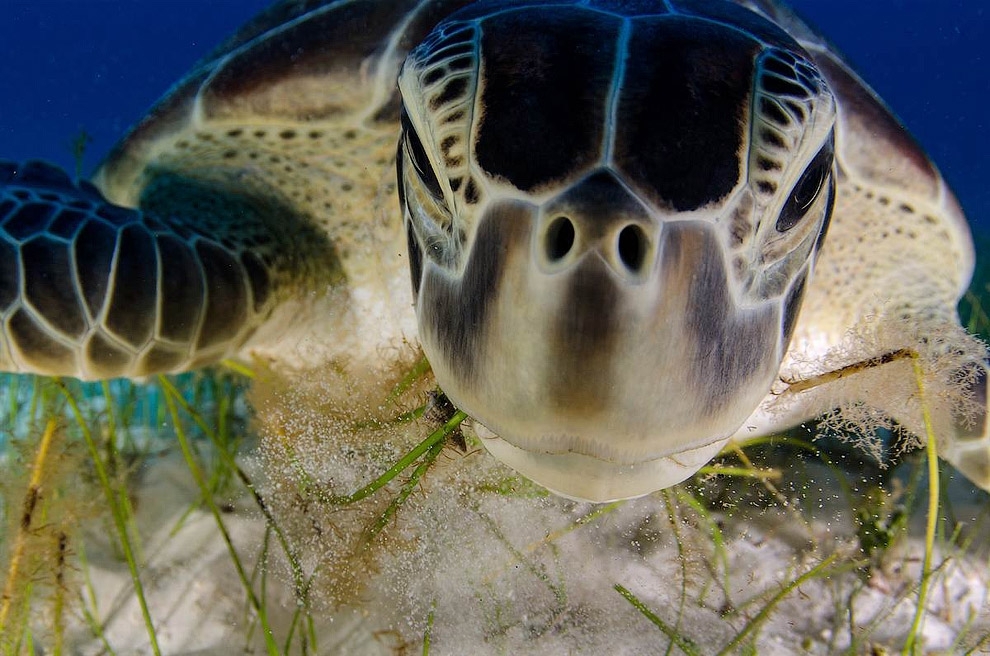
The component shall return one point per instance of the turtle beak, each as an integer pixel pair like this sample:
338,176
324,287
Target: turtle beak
599,343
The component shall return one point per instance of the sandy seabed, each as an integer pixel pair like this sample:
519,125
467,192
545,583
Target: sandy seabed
534,575
482,562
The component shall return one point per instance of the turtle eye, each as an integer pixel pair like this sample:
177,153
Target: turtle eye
807,189
420,161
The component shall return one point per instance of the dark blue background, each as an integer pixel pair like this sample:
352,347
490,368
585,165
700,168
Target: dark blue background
67,65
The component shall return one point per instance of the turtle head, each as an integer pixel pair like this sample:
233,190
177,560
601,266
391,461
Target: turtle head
611,220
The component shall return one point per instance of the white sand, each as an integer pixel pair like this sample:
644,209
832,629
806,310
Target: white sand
495,584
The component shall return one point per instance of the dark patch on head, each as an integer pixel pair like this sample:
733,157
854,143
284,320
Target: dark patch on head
30,219
682,110
48,285
471,193
41,351
778,67
772,111
182,290
434,76
95,245
584,337
792,307
105,358
730,344
134,301
448,142
781,87
460,50
454,117
226,298
767,187
459,64
741,226
772,138
457,313
547,77
767,164
798,110
451,91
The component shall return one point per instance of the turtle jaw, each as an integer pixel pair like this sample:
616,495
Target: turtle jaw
587,478
600,382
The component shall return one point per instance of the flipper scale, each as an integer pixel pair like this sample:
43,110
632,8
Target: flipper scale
93,290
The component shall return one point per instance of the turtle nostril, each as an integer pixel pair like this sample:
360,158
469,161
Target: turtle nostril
560,238
632,247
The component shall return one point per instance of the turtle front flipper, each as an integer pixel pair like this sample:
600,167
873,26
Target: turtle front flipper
92,290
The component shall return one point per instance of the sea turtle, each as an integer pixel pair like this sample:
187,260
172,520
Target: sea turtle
607,230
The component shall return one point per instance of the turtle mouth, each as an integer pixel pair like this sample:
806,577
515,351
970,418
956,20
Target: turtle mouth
587,477
585,370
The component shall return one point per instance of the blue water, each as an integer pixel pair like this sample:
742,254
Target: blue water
97,65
